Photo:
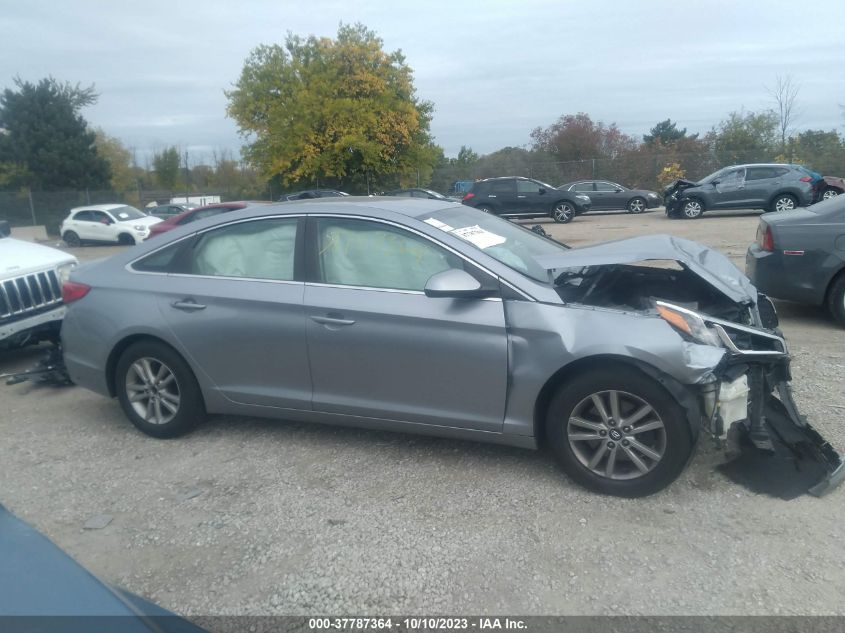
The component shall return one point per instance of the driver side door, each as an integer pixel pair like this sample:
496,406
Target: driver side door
730,189
380,348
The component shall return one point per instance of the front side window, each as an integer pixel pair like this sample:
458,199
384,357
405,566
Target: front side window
375,255
605,186
83,216
732,178
259,249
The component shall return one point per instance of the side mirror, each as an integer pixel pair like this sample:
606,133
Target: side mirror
454,284
5,228
542,190
619,190
715,182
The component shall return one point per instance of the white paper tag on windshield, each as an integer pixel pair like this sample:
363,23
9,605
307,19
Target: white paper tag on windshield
439,225
479,237
123,215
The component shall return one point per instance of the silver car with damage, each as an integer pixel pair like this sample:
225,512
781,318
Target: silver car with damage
429,317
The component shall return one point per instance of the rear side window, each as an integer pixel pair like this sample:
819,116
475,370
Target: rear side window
760,173
501,186
605,186
260,249
162,261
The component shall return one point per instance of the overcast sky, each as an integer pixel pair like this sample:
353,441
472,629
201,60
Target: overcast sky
494,70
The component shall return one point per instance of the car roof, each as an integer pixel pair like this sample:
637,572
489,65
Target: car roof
761,165
99,207
504,178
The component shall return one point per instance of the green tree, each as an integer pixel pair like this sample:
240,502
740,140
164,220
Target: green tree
746,137
166,167
665,133
321,108
46,143
119,159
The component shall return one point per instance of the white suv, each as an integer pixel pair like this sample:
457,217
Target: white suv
31,277
114,223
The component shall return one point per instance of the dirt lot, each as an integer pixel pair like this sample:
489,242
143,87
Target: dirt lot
260,517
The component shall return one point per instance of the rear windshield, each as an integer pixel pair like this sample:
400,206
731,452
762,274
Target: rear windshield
127,213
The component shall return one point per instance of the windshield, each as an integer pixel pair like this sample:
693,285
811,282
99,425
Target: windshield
124,214
514,246
434,194
712,176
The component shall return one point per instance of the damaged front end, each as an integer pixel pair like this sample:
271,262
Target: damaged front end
673,194
746,398
751,402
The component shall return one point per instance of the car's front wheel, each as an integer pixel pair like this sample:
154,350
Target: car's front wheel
563,212
692,209
829,193
784,202
637,205
617,431
157,390
124,239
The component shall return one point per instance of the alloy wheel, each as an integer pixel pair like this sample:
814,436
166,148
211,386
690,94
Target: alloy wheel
153,390
784,203
636,206
616,435
692,209
563,212
830,193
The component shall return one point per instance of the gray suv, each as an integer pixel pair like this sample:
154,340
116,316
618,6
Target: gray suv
771,187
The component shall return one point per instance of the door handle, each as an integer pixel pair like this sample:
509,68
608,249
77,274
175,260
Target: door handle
332,320
188,306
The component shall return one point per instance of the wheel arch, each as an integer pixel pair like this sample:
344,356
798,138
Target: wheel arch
784,192
698,198
122,345
681,394
835,277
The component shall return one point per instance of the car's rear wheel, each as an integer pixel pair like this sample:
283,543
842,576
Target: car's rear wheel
124,239
784,202
829,193
637,205
563,212
157,390
692,209
836,300
71,239
618,432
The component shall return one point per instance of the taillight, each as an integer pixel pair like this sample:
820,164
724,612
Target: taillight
74,291
764,237
470,195
806,179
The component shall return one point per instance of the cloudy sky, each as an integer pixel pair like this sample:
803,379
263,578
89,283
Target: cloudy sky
494,70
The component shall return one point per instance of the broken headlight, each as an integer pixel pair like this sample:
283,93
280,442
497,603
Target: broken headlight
689,322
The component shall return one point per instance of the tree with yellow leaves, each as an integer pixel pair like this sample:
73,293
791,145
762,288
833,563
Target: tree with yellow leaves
340,108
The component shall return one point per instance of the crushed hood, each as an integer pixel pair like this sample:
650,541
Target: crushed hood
711,266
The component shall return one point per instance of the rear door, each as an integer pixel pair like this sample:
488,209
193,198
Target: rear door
761,184
234,301
379,348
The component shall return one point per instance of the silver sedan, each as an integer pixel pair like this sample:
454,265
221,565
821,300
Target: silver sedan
428,317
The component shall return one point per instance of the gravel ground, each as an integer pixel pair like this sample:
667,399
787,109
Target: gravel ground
250,516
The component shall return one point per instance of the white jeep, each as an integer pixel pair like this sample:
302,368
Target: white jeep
31,277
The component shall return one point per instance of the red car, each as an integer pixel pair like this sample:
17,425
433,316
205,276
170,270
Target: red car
199,213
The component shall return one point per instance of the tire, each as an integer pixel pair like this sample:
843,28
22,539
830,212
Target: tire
484,208
836,299
784,202
168,406
71,239
563,212
124,239
637,205
692,209
573,414
830,192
